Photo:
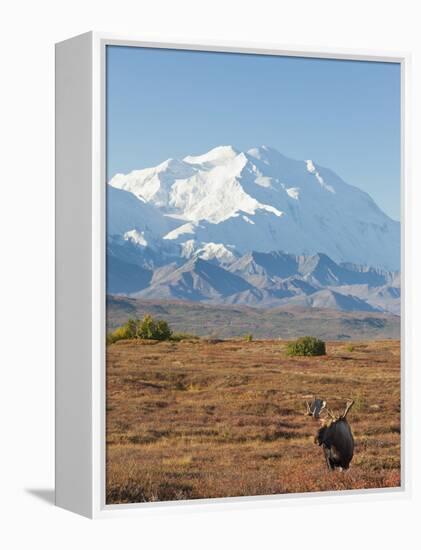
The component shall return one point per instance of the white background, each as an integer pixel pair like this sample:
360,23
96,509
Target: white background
28,32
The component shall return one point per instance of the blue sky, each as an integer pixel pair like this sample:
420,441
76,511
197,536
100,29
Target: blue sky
341,114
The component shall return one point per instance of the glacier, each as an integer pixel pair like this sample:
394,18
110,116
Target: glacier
258,200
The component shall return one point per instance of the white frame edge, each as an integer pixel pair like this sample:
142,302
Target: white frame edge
89,500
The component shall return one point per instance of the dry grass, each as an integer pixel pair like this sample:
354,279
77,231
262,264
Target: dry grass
200,419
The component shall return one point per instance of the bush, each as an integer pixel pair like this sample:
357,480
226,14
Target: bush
151,329
179,336
307,345
121,333
350,348
248,337
146,329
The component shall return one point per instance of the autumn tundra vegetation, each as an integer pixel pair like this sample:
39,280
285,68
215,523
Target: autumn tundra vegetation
147,328
191,417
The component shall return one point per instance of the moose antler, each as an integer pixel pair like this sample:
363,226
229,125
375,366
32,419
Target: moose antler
330,413
347,408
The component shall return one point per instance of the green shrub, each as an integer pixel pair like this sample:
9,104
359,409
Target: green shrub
307,345
146,329
350,348
248,337
151,329
121,333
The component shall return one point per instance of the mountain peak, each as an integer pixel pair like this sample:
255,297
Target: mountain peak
217,155
169,164
262,200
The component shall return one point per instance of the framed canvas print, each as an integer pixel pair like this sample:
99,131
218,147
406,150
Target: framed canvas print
230,271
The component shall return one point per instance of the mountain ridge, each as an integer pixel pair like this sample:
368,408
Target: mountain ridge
262,200
250,227
258,279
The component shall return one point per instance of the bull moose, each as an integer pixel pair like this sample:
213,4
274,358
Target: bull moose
336,439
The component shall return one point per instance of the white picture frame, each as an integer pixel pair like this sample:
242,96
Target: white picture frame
80,276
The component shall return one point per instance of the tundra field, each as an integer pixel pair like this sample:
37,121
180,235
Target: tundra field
209,418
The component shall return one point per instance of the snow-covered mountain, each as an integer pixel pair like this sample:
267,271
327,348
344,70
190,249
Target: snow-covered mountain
259,200
138,220
253,228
